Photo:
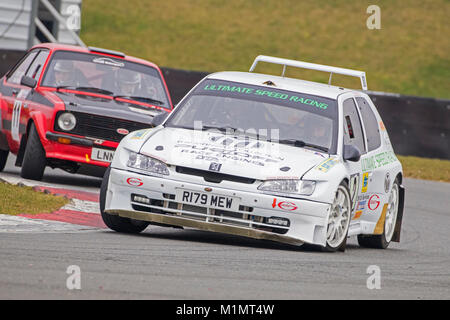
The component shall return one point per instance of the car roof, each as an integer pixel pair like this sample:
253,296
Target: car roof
283,83
66,47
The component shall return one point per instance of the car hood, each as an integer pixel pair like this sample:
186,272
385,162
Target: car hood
111,108
229,154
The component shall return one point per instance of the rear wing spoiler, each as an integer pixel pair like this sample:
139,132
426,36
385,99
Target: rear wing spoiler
312,66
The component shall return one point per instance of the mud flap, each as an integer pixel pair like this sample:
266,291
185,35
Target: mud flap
398,224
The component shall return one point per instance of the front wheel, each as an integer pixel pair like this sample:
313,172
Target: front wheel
116,223
34,161
383,240
339,219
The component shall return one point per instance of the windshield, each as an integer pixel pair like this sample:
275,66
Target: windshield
270,114
105,75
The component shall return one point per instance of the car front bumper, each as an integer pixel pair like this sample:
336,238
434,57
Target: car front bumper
307,222
77,149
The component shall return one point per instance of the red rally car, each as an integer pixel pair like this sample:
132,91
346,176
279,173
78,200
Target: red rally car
68,107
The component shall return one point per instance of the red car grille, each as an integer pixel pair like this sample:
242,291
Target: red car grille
99,127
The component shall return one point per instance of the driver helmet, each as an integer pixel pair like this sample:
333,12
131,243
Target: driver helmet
315,128
64,73
128,82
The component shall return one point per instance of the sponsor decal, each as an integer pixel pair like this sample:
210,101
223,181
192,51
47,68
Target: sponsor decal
122,131
365,182
378,161
215,166
284,205
319,154
140,134
268,93
361,205
135,182
374,202
226,148
282,178
99,141
354,185
326,165
109,62
363,197
15,121
357,215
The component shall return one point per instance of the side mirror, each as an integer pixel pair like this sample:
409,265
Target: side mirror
158,119
28,82
351,153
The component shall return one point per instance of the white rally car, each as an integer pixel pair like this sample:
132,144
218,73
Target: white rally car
265,157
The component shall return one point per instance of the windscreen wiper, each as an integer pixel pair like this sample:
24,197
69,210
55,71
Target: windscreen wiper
302,144
222,129
95,90
140,99
65,87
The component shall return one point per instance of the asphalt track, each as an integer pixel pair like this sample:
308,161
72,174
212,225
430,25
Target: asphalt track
164,263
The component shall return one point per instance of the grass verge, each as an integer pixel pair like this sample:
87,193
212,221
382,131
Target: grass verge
15,200
408,55
427,169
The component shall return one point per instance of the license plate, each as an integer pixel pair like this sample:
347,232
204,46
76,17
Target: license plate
207,199
102,155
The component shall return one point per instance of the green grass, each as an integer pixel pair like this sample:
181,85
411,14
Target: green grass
409,55
427,169
16,200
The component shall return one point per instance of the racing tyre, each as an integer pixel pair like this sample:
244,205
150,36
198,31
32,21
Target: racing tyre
339,220
34,161
116,223
3,158
383,240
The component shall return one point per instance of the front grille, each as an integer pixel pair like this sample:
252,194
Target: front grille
100,127
214,177
244,218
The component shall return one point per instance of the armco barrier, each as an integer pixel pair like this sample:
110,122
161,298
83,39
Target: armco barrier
417,126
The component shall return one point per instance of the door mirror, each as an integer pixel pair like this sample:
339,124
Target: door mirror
351,153
28,82
158,119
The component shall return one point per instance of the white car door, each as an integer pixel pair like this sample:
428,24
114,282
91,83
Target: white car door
375,166
354,134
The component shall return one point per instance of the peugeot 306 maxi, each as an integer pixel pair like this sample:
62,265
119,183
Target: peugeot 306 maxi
264,157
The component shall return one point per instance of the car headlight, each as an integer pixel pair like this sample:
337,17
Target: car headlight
141,162
289,186
67,121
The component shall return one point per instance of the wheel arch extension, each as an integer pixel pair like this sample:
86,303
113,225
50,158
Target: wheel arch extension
23,142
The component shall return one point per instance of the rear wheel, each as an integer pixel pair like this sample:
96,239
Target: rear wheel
383,240
3,158
34,161
116,223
